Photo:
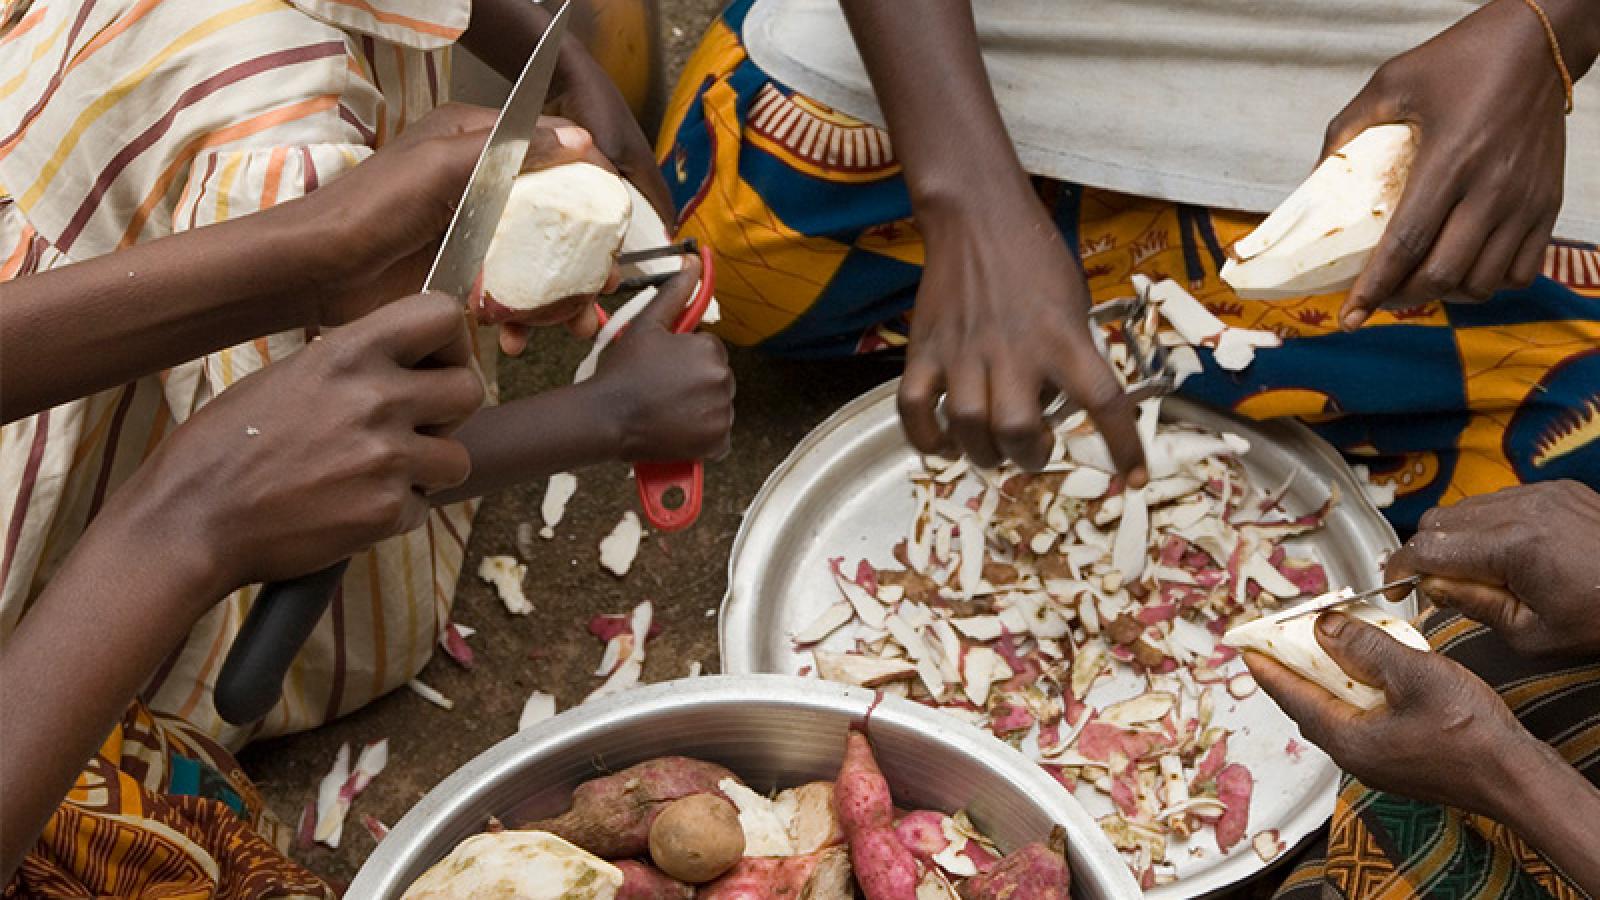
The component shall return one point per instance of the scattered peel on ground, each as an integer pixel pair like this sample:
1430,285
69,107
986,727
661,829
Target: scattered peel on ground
618,549
340,787
429,693
506,574
629,666
538,707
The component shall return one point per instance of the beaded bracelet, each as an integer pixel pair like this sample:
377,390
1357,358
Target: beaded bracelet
1555,49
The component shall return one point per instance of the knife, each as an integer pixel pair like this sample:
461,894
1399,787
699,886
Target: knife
1342,598
285,612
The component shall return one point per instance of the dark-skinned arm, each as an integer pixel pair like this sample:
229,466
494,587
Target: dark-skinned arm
1002,312
654,396
342,443
502,33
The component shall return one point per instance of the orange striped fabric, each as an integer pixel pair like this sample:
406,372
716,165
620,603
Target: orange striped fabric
122,121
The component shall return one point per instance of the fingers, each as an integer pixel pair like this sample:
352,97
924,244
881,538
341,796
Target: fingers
1429,196
513,338
1529,261
1494,606
1367,654
557,142
672,297
440,399
920,387
1463,553
1361,114
1320,715
437,463
1444,270
423,326
1088,379
966,405
1492,271
1020,433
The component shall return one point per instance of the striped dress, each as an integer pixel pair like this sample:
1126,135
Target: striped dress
122,121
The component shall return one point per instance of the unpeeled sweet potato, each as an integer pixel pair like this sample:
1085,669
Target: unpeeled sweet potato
611,816
1036,871
824,875
884,868
645,882
922,832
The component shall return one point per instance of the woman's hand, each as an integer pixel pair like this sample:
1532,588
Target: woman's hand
320,455
377,229
1001,323
585,94
1443,736
669,396
1521,561
1484,191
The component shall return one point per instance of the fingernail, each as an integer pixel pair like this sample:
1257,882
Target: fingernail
572,137
1331,624
1354,319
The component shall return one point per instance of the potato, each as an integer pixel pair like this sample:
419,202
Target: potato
697,838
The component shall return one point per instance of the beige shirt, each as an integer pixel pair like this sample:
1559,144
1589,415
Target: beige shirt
1221,103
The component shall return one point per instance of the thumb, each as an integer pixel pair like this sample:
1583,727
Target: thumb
672,297
1366,654
1361,113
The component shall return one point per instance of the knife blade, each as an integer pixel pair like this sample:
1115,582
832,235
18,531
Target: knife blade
285,612
1341,599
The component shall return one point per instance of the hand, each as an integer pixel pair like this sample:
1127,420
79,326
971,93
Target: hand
1520,561
670,395
1486,184
324,453
1001,320
1440,738
585,94
377,229
516,326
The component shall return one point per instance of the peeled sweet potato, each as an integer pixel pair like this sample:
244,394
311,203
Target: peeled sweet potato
884,868
1036,871
824,875
611,816
645,882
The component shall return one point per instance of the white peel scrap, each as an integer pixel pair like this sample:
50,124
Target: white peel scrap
539,706
1267,845
1235,347
1086,484
618,549
979,628
557,491
1256,568
982,667
1150,706
339,788
506,574
627,674
430,694
1129,552
833,618
765,832
867,607
864,671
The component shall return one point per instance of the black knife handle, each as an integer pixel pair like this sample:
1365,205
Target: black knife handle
277,626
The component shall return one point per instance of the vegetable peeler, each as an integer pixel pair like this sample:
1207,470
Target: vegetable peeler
671,493
1154,378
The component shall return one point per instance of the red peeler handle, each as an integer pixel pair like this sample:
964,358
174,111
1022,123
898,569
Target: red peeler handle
682,483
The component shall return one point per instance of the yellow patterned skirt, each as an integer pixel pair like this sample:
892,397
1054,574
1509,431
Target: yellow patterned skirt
817,257
163,811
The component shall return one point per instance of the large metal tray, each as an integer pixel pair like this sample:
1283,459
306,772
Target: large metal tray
844,491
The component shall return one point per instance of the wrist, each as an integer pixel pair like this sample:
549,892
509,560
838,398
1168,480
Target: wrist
313,236
158,532
951,202
1577,27
1515,772
608,409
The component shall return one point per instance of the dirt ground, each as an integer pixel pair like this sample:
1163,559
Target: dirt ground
684,575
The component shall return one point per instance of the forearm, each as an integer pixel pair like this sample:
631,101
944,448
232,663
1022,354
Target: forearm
503,33
106,321
1553,807
555,431
123,600
928,72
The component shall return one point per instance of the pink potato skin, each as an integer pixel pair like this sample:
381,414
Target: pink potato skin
824,875
1033,872
641,881
611,816
922,832
885,869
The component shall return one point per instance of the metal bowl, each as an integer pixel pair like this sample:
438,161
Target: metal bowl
773,731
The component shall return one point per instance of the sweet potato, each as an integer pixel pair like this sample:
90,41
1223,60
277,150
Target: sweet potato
922,832
1034,872
696,838
885,869
824,875
641,881
611,816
